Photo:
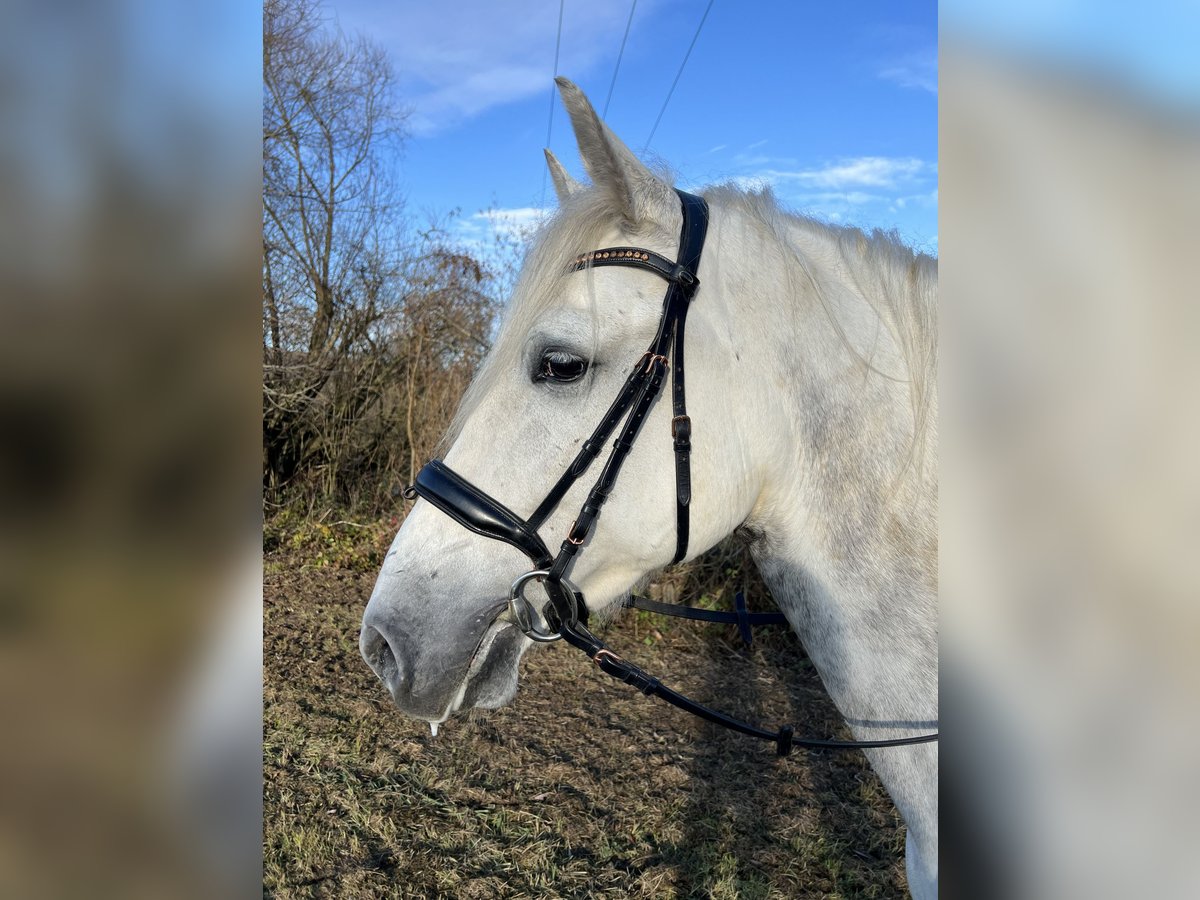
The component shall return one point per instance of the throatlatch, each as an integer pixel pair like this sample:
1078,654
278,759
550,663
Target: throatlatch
565,616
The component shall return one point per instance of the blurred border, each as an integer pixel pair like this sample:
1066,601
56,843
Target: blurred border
130,183
1070,218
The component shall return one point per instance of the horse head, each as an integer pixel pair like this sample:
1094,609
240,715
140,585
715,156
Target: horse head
438,629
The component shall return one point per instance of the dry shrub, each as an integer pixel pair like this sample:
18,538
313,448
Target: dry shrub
370,332
354,440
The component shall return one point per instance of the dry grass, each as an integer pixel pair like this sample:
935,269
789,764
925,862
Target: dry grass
581,788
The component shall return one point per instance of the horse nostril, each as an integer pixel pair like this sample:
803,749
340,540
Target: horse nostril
378,653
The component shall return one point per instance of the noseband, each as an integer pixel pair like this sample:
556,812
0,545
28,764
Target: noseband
565,616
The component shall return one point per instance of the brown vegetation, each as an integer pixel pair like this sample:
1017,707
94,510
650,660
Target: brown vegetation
581,788
371,329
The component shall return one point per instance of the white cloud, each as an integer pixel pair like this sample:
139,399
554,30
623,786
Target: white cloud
516,221
484,230
836,206
877,172
455,61
918,71
855,197
749,162
848,189
473,93
865,171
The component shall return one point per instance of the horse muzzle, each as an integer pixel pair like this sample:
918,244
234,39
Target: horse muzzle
434,672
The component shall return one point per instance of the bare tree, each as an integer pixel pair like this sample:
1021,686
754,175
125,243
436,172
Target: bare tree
329,120
369,336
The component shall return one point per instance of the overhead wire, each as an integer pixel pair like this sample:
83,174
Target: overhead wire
677,74
617,67
550,120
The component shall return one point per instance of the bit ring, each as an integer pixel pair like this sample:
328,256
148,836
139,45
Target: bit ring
527,617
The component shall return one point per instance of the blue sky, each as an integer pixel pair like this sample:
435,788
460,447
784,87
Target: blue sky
833,104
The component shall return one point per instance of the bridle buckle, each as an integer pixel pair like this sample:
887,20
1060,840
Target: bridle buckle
571,539
653,358
604,653
683,276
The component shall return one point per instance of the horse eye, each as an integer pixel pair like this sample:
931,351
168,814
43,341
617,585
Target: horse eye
560,366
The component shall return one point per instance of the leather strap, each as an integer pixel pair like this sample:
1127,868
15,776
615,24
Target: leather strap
483,514
601,490
477,511
681,441
784,738
691,246
741,617
634,397
593,445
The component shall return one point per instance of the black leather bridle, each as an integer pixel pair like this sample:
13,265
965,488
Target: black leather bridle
565,616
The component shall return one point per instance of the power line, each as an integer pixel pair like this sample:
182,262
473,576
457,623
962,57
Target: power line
677,74
617,68
557,46
550,121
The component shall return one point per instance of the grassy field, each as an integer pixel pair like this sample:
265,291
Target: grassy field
581,788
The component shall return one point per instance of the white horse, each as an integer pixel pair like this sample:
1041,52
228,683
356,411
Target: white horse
811,376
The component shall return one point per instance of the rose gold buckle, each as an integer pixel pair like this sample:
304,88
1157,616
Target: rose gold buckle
654,357
604,653
571,540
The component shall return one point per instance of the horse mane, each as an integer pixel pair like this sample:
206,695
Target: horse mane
899,284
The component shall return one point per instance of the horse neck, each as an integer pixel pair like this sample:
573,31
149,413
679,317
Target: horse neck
845,523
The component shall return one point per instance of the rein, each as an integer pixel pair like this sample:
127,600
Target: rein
565,616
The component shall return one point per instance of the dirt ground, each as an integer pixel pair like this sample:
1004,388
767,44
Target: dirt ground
583,787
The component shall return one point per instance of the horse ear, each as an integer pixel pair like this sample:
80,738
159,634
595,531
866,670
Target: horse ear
638,193
564,184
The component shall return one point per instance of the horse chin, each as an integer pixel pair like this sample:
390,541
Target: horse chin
491,680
